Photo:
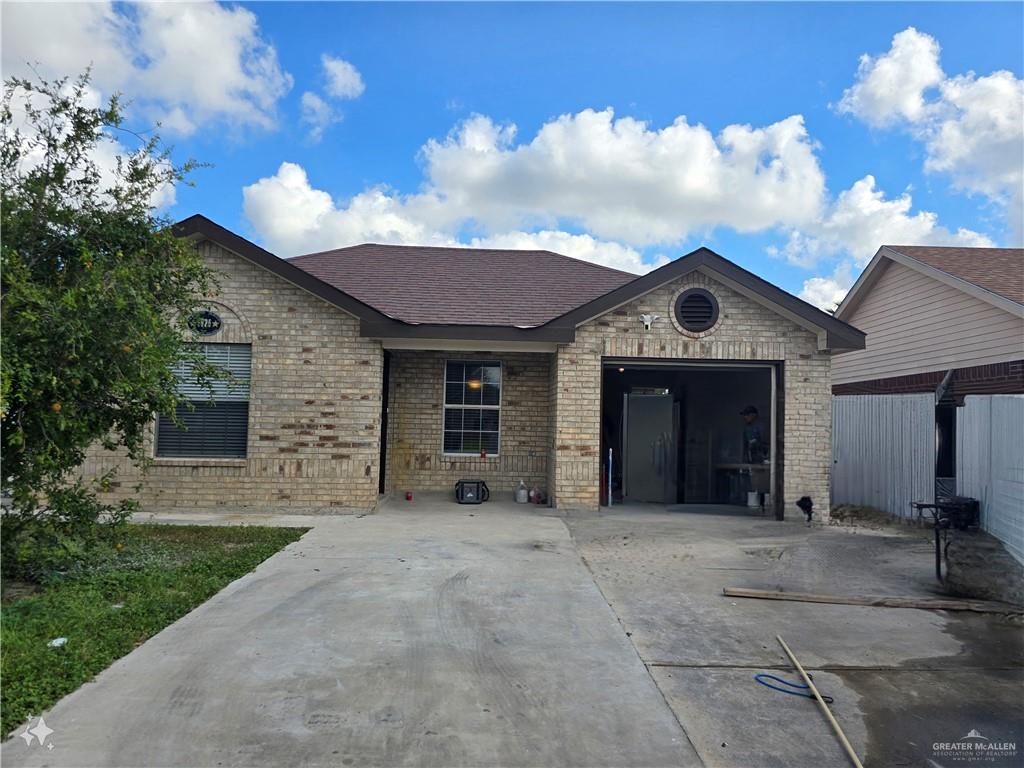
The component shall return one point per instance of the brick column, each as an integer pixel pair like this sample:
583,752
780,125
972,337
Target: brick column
576,427
807,431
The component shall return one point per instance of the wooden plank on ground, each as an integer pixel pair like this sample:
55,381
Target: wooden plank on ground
924,603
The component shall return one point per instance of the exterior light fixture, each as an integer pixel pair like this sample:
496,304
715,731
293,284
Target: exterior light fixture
622,370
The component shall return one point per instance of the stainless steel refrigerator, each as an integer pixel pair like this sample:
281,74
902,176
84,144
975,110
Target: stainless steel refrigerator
651,447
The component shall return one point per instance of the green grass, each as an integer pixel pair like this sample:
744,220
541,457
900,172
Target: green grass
112,601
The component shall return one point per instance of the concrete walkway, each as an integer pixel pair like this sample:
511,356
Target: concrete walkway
427,635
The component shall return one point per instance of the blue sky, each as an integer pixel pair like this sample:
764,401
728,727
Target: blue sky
933,117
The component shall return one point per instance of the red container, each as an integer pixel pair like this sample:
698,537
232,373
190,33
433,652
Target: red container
408,495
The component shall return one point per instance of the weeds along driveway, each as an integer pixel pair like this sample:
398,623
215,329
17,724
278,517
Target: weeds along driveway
430,635
902,680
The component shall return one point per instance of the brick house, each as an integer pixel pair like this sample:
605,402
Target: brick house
380,369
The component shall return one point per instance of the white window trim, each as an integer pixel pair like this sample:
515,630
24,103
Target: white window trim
499,407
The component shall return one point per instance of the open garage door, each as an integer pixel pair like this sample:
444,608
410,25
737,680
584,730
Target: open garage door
689,433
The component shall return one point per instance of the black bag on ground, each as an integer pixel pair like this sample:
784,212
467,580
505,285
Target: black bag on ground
471,491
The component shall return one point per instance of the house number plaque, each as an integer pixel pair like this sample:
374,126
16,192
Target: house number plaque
205,322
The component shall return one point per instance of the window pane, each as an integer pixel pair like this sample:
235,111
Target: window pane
489,420
453,393
452,418
455,371
210,430
491,394
474,389
472,392
452,442
492,374
233,359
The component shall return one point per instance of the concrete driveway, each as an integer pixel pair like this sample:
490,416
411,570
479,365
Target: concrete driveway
460,637
903,680
437,635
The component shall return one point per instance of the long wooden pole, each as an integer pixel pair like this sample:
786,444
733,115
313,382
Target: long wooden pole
922,603
821,702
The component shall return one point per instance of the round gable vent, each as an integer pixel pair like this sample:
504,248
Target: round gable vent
696,310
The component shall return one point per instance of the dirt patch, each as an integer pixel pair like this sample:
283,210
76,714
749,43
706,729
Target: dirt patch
860,517
15,590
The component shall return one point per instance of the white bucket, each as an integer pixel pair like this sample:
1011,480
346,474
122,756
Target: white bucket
522,495
752,499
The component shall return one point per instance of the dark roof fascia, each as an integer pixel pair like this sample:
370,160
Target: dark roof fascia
200,226
393,329
839,335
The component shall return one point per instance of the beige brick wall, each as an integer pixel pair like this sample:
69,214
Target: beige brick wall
314,413
745,331
415,416
314,419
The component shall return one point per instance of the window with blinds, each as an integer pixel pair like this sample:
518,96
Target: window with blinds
472,407
212,425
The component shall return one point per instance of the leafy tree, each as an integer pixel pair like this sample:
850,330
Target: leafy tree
94,297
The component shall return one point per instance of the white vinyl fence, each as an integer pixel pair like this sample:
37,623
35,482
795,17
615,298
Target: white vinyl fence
990,464
883,451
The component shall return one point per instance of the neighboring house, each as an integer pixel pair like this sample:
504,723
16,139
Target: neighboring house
377,369
934,405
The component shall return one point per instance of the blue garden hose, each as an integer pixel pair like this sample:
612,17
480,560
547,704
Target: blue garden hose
802,689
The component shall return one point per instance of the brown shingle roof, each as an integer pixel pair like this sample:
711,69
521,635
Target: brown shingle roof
999,270
463,286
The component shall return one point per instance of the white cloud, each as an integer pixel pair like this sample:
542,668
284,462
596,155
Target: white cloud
861,219
343,82
892,86
186,64
857,223
827,292
343,79
292,217
978,139
618,180
971,127
578,246
628,187
317,114
622,180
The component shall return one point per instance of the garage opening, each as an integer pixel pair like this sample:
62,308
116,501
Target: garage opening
689,433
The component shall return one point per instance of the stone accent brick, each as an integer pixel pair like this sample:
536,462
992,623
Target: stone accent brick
415,418
746,331
314,411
